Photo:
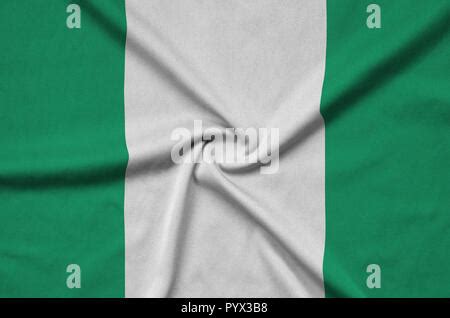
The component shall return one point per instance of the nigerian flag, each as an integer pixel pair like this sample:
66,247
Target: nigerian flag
114,116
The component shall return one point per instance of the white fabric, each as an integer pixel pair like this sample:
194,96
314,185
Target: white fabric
202,230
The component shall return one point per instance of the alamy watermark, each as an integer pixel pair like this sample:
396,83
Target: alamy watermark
374,278
73,20
241,146
74,278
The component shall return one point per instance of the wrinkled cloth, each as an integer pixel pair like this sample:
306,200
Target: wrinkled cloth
212,230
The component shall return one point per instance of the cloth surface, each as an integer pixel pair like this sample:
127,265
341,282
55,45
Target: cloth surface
348,196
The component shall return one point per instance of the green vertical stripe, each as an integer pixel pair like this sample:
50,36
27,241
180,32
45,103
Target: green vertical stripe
386,104
62,144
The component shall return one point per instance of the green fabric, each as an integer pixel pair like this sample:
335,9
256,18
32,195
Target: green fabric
63,153
386,105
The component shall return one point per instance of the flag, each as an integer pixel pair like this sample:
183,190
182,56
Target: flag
343,108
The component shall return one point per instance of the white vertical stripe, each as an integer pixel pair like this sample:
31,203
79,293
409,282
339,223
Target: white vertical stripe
204,230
